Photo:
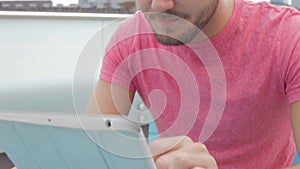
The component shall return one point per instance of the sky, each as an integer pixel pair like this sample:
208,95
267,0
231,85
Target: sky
67,2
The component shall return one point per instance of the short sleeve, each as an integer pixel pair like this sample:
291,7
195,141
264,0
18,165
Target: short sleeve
290,54
114,68
292,81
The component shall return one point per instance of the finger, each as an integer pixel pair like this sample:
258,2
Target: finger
192,148
198,168
164,145
186,160
195,154
196,148
180,161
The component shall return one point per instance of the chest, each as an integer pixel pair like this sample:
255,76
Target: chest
246,88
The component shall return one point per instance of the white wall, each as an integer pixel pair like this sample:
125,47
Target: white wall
50,62
39,54
38,57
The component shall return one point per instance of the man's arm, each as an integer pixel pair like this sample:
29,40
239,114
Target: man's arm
110,99
295,115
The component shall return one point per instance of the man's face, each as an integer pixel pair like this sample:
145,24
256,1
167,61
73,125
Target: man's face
175,22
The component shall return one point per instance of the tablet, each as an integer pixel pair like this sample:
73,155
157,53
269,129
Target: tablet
68,141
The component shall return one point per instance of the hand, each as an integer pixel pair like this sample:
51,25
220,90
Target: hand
181,153
297,166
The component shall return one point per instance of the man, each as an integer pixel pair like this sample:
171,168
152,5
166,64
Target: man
175,70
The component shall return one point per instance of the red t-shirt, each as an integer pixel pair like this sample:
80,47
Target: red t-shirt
232,91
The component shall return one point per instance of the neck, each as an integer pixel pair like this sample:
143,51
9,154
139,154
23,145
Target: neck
220,18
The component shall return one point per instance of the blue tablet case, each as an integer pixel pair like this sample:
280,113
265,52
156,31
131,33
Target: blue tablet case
36,146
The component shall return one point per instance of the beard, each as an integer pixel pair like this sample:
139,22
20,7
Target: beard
186,28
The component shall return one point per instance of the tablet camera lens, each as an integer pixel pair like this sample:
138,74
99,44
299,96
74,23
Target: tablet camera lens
108,123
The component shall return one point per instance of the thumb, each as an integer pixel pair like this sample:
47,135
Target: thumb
168,144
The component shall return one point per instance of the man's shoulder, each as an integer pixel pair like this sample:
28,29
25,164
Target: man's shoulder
273,11
135,23
270,17
130,30
267,9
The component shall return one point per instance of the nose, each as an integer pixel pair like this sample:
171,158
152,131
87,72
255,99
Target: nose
162,5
